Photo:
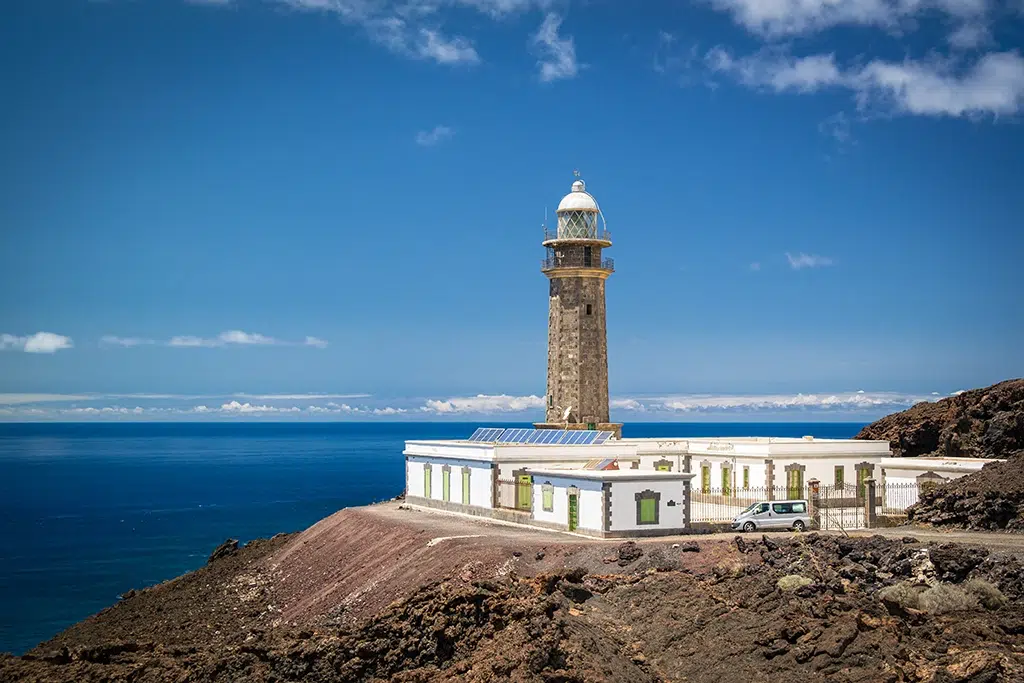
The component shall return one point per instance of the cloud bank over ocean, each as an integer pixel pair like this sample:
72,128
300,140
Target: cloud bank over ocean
820,406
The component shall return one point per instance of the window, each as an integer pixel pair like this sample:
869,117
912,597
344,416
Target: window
726,481
446,483
588,258
763,507
647,504
588,309
548,496
705,478
648,510
799,507
426,481
840,475
746,477
789,508
465,486
551,400
663,466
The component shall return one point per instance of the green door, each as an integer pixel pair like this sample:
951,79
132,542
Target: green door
426,481
465,486
446,484
524,492
574,512
794,484
705,479
726,481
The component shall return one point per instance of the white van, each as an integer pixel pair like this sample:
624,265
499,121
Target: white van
774,514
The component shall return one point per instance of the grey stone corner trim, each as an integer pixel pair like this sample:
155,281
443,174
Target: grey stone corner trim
796,466
662,462
446,468
705,463
686,462
606,500
648,494
864,466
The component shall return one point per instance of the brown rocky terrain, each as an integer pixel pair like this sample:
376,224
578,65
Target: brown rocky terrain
381,593
992,499
981,423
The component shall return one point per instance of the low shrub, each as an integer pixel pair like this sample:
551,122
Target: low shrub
987,594
791,582
941,598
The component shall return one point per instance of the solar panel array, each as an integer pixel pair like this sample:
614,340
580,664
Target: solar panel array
573,437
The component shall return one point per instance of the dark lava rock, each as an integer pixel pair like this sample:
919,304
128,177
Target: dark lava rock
628,553
981,423
539,556
228,547
689,547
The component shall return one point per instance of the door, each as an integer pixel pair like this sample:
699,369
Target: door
574,511
465,486
426,481
446,484
705,479
726,481
794,484
524,492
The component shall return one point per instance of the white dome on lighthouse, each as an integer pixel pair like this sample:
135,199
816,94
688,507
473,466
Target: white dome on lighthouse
579,199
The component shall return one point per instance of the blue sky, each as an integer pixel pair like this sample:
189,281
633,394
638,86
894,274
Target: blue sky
331,209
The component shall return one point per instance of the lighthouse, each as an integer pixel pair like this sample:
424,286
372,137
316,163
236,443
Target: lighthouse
577,388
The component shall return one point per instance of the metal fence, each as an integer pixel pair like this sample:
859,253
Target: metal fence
716,506
842,506
894,498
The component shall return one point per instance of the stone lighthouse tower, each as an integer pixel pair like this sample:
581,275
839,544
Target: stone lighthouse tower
577,396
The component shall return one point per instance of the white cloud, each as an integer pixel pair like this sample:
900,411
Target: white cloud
755,266
429,138
408,27
557,55
297,397
483,403
40,342
992,85
243,408
852,401
802,260
970,35
229,338
779,72
16,399
837,127
126,342
775,18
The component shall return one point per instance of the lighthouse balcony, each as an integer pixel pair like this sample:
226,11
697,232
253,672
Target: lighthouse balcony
553,263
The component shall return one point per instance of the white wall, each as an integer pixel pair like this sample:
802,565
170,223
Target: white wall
480,484
591,502
623,502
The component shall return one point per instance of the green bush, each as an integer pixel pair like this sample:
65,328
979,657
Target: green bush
942,598
791,582
988,595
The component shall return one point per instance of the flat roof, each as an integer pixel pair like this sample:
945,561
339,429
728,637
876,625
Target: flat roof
609,475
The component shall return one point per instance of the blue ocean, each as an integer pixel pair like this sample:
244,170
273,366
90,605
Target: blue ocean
88,511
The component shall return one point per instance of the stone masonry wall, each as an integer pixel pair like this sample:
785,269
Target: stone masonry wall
577,349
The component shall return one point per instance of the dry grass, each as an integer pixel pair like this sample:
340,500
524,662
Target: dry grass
791,582
944,597
988,595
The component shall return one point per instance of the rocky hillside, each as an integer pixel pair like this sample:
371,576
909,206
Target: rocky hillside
992,500
981,423
477,604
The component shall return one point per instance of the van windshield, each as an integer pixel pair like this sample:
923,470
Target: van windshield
750,508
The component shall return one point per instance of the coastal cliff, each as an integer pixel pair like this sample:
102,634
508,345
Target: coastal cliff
386,593
980,423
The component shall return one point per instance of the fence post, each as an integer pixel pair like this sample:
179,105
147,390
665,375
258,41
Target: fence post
814,500
687,501
870,520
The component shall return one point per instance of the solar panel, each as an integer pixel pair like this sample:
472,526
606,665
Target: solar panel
522,435
602,437
476,435
512,436
491,434
545,436
588,437
505,436
580,438
534,436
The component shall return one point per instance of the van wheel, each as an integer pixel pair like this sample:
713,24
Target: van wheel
749,527
799,526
